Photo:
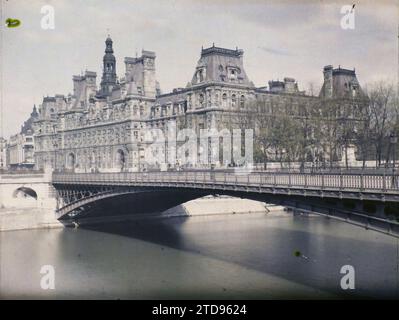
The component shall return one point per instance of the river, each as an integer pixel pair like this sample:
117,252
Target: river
241,256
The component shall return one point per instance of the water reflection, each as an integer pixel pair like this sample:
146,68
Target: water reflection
228,256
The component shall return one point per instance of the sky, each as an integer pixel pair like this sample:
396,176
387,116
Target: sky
279,38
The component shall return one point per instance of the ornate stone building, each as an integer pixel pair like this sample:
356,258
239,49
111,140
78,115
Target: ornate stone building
20,147
104,129
3,153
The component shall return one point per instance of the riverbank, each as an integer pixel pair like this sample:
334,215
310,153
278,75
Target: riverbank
27,218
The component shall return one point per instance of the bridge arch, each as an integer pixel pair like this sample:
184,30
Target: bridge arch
25,193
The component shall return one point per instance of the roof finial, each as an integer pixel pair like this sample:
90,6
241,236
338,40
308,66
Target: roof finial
213,44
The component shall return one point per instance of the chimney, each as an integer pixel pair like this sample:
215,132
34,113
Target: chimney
328,81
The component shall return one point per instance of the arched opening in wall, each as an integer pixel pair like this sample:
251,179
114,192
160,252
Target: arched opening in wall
71,160
25,193
120,159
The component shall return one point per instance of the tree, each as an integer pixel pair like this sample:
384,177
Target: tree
381,117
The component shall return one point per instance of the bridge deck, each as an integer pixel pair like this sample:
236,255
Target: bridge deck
373,186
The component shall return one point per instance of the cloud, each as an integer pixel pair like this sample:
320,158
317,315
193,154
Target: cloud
279,52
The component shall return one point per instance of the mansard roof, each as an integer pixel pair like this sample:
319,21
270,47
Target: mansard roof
221,65
343,82
173,97
27,128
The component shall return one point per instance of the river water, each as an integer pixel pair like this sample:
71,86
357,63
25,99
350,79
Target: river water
251,256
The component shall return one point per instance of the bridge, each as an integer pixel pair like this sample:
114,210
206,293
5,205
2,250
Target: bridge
365,198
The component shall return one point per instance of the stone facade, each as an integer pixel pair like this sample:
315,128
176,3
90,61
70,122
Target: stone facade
103,129
3,153
20,147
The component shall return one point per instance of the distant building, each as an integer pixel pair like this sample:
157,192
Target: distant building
20,147
3,153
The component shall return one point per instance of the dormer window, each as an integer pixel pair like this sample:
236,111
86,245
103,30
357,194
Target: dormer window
200,75
201,99
233,74
354,91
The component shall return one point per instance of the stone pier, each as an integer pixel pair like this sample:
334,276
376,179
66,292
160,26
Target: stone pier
27,201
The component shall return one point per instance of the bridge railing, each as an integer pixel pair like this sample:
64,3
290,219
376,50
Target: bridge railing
364,181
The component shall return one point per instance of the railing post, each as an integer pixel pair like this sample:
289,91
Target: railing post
384,182
340,179
361,181
306,180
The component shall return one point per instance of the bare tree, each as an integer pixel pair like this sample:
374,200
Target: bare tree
382,116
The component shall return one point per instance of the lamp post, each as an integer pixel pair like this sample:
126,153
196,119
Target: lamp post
55,145
393,139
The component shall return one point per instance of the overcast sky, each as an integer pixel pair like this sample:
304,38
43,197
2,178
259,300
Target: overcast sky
279,39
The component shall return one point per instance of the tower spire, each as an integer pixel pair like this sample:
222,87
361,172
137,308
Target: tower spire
108,79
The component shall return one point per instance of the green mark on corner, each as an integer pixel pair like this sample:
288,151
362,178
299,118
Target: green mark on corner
12,23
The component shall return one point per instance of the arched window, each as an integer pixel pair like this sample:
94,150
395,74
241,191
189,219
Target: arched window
71,161
242,101
233,100
224,100
201,100
26,193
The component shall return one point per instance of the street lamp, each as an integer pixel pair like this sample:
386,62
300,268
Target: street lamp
55,145
393,139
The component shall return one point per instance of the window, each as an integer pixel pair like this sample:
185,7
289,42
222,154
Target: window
200,75
224,100
233,74
242,101
233,100
201,100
